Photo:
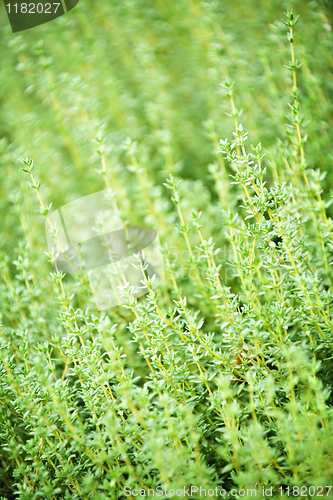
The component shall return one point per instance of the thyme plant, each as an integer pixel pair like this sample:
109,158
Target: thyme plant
221,377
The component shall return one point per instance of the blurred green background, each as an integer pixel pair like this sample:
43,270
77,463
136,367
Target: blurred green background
150,72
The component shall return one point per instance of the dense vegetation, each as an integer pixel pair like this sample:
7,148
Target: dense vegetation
222,376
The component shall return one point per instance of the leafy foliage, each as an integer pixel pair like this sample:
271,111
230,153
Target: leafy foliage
222,376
